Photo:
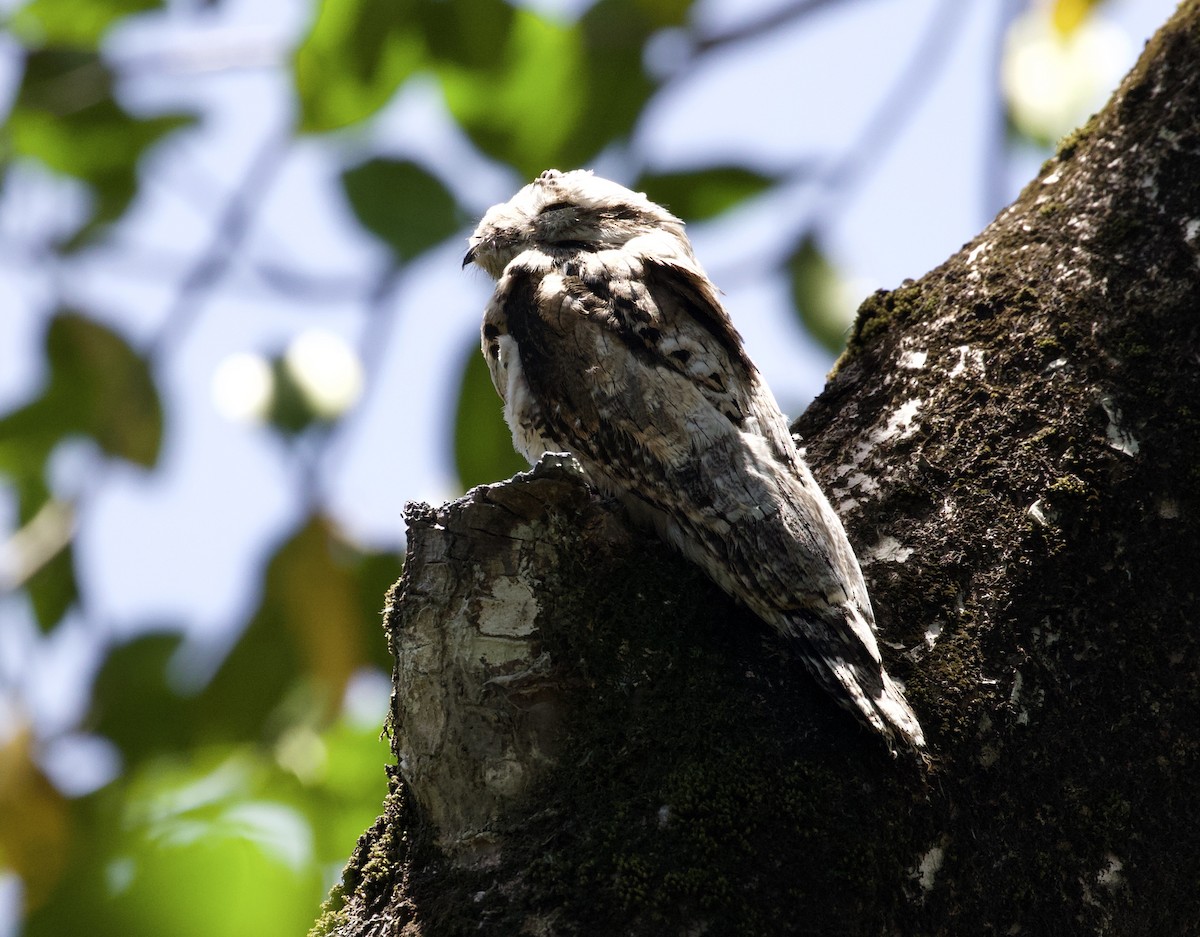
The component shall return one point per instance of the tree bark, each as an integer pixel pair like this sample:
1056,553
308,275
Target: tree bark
593,740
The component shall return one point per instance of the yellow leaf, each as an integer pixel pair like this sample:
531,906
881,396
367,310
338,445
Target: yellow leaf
34,829
1069,14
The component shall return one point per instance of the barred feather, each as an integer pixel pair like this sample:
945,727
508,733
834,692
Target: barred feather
606,339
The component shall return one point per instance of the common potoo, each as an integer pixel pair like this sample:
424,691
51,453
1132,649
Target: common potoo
606,339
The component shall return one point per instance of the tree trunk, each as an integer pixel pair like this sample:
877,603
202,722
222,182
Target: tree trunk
594,740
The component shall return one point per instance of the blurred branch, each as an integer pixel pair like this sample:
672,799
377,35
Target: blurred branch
237,56
31,547
373,344
228,233
306,287
903,98
772,21
881,129
142,263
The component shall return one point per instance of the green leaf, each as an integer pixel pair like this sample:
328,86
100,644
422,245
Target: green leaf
53,589
375,574
66,118
99,387
310,630
704,193
215,842
216,846
290,412
134,705
353,785
547,93
78,23
402,204
615,33
819,295
353,60
483,449
528,105
41,550
466,32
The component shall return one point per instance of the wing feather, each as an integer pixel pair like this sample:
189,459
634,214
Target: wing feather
625,357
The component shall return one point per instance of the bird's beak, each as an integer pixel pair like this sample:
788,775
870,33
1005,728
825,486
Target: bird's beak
470,256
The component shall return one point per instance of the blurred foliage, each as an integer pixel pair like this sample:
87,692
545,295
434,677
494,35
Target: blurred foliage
66,118
819,295
98,387
704,193
238,801
483,448
1069,15
353,60
78,23
34,833
387,194
242,787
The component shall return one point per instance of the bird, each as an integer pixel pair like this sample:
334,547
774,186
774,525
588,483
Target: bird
606,339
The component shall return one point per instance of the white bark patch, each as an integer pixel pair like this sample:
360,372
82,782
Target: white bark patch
978,251
1118,437
505,777
933,631
968,359
1037,513
1191,235
1014,699
509,611
888,550
1110,876
913,360
928,868
864,483
900,425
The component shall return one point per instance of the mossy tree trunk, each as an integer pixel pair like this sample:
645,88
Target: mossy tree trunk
593,740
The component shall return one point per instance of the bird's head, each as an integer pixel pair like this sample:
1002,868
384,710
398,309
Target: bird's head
562,212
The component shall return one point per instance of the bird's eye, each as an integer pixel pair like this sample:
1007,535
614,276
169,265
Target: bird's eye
556,206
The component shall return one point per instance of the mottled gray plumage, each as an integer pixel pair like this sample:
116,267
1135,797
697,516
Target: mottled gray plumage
606,339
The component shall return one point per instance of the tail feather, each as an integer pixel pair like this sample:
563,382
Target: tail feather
852,672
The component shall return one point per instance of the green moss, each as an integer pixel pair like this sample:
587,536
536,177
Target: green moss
1070,487
332,915
1048,345
1072,141
733,815
883,308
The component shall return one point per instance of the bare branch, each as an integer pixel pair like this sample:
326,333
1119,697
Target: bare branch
228,233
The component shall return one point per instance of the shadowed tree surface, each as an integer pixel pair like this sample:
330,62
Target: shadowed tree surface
594,740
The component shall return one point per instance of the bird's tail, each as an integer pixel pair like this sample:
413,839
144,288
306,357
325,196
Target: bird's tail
847,663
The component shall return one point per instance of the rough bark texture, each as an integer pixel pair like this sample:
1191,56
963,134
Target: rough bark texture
593,740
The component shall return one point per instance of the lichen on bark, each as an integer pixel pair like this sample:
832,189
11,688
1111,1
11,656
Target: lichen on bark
1012,441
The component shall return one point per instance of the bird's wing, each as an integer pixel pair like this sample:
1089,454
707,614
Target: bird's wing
619,364
635,368
650,389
